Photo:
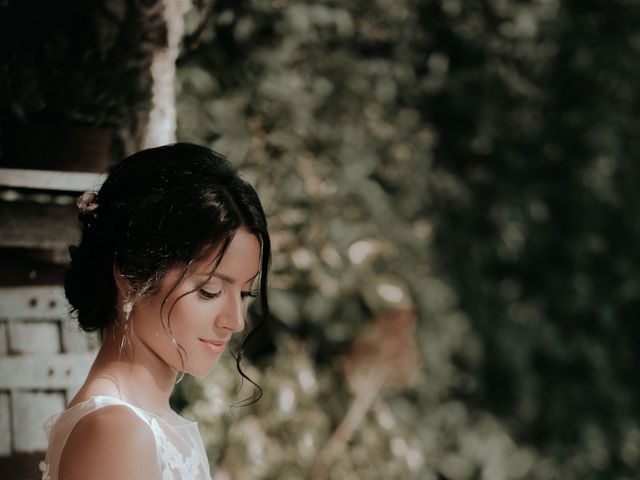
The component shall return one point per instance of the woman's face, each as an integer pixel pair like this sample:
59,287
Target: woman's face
203,316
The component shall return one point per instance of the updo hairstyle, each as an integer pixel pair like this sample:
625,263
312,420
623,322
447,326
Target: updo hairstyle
160,208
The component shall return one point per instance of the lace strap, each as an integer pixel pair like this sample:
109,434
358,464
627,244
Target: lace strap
106,401
172,462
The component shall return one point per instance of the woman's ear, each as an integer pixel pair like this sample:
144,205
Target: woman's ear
122,284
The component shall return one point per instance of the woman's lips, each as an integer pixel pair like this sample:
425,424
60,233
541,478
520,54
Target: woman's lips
215,346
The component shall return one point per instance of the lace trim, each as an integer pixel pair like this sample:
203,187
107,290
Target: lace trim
46,475
173,460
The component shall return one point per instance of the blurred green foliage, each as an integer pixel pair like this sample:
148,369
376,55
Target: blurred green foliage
471,159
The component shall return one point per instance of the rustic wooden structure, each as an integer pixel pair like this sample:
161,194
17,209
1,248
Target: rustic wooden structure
44,357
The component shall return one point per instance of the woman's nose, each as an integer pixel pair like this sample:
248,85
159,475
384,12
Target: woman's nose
233,314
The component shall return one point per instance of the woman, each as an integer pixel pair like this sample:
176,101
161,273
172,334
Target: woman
172,246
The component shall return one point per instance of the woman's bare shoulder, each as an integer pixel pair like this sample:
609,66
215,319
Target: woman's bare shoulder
111,442
94,388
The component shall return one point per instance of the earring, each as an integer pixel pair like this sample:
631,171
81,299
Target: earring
126,308
180,377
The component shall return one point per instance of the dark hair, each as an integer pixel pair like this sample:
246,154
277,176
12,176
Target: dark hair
160,208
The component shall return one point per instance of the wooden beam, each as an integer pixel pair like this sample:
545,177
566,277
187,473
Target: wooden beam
45,372
38,225
46,302
50,179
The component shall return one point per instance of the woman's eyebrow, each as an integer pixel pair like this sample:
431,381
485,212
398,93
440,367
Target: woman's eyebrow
226,278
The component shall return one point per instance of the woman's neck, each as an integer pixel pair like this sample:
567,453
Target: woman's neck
134,374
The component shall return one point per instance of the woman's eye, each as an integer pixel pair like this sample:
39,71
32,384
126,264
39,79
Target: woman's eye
250,294
206,294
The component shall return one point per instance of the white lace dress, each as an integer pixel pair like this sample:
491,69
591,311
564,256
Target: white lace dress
181,453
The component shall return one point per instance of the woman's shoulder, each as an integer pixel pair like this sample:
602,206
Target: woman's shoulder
110,442
94,388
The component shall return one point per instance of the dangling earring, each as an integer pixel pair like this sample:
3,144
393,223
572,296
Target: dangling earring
180,377
126,308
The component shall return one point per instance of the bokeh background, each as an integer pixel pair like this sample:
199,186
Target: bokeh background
452,193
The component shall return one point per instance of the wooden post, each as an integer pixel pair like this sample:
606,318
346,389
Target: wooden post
161,128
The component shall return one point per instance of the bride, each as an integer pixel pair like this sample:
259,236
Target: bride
173,246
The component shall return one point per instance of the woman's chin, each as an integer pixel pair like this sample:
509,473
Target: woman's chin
203,371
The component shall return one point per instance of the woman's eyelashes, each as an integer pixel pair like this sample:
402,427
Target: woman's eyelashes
207,294
244,294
